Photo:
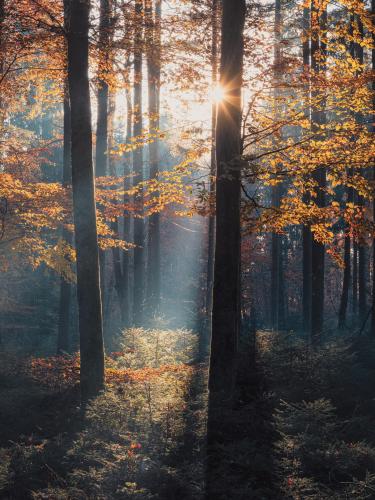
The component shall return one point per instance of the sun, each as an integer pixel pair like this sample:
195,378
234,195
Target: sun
217,94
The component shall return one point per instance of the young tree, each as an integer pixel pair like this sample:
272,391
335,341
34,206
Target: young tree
88,279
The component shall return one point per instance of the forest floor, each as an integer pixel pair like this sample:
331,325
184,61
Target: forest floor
302,426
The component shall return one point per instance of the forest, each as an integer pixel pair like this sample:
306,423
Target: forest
187,249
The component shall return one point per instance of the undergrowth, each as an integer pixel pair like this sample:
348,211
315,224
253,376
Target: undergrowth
301,428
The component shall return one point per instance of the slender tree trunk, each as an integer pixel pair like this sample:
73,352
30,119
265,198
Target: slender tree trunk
282,302
346,283
276,257
153,65
88,279
317,249
347,264
373,201
101,156
139,273
362,275
2,53
211,219
362,253
63,335
125,309
306,231
355,282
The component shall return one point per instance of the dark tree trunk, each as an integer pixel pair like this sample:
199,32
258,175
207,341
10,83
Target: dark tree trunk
318,51
347,265
88,279
205,331
362,254
362,278
226,307
282,303
101,156
276,256
125,310
101,152
306,231
211,220
355,282
227,275
139,272
275,267
153,65
373,201
63,334
345,283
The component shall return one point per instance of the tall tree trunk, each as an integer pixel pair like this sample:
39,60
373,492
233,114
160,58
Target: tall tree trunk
226,307
211,220
345,282
318,60
153,34
88,279
362,253
63,333
101,152
306,231
101,156
125,310
206,328
227,273
373,201
63,337
139,272
355,282
276,256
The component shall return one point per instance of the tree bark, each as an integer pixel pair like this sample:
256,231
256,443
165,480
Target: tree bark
227,275
88,279
126,254
211,220
306,231
139,272
153,35
355,282
276,255
373,201
346,281
204,333
63,334
362,254
101,152
225,313
317,248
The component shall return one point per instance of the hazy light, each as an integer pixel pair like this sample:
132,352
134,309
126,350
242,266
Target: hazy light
218,94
